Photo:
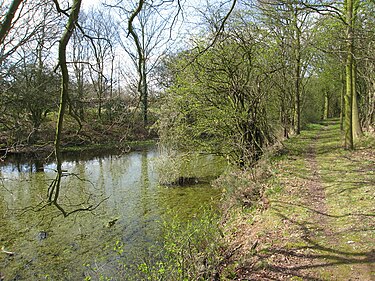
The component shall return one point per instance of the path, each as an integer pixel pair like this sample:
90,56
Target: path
321,226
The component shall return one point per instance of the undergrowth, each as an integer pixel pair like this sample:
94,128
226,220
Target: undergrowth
190,250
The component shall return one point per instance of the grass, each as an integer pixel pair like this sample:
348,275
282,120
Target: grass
319,220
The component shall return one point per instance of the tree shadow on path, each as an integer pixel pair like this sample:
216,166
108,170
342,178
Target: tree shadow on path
323,220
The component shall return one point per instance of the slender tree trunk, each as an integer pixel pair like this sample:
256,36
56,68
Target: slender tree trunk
283,118
297,76
371,114
326,106
100,88
111,88
141,64
298,108
54,189
144,95
349,77
7,23
80,95
357,130
342,102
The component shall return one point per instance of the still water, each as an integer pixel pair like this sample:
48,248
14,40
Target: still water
131,212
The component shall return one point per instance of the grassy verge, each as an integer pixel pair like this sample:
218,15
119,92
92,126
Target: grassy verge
315,216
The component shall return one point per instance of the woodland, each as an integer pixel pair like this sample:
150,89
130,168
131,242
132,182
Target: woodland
232,78
225,77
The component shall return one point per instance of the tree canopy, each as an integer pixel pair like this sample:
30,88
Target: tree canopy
230,77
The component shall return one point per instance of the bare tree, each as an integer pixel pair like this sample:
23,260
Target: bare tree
101,28
80,56
19,26
54,189
290,22
147,35
26,55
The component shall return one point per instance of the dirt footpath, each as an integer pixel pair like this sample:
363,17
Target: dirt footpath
319,222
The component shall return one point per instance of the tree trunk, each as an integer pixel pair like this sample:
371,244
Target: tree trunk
80,96
54,189
297,76
109,108
141,64
7,23
144,91
357,130
100,87
326,106
349,77
342,102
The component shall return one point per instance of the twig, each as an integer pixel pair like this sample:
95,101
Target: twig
6,252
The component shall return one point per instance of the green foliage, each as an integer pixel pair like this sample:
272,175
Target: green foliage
26,98
190,250
218,103
313,105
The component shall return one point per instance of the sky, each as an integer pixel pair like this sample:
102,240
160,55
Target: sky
89,3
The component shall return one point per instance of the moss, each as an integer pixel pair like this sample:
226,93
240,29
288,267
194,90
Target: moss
296,278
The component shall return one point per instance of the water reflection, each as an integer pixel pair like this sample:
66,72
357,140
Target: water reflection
72,246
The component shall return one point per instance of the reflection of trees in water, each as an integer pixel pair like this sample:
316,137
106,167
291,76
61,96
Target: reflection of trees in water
136,200
85,182
144,185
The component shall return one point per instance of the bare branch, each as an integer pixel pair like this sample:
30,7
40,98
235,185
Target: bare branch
216,35
7,23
